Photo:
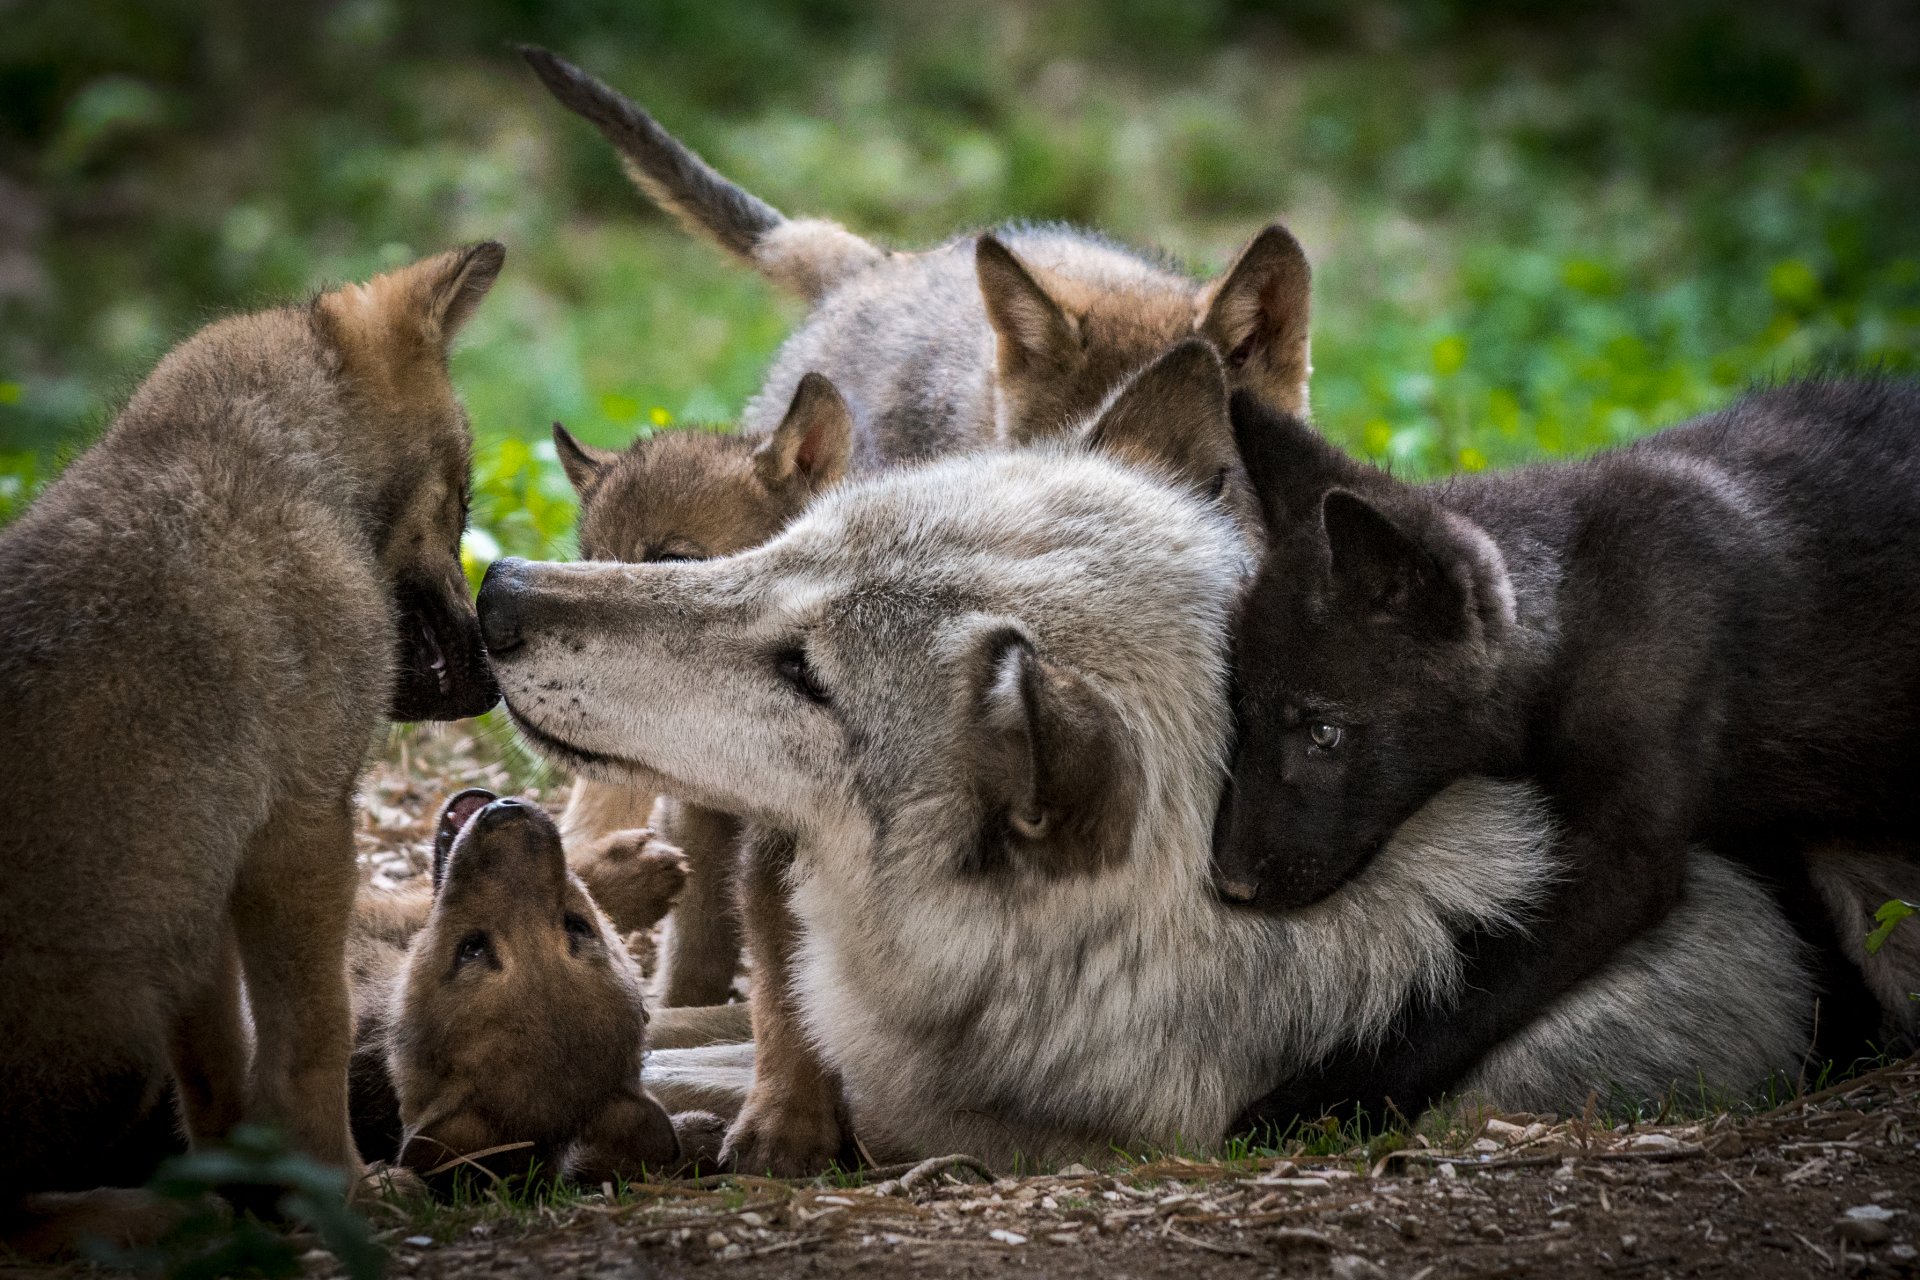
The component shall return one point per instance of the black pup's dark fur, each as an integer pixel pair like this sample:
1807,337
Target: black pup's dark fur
1710,635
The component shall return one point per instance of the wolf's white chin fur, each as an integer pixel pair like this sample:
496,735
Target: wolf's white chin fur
1138,1010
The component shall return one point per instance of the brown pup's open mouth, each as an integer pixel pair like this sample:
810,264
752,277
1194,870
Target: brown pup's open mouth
441,671
459,810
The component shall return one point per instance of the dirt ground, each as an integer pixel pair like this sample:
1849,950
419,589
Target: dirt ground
1827,1184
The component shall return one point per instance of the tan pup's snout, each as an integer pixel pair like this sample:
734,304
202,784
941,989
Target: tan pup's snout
441,669
518,1021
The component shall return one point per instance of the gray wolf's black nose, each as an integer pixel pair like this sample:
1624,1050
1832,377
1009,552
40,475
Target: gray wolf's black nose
502,593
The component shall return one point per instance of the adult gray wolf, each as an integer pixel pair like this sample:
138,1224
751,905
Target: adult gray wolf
1009,336
986,700
203,624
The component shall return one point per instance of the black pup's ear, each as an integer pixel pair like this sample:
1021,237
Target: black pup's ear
1384,572
1291,465
584,464
454,817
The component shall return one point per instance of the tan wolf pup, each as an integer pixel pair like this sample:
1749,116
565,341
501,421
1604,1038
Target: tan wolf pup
691,494
203,624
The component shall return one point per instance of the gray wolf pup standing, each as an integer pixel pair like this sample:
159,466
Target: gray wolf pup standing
988,699
203,624
1012,335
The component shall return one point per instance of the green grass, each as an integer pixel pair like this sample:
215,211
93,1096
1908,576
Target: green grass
1533,236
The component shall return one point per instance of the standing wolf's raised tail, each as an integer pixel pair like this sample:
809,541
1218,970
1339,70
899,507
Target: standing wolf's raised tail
807,255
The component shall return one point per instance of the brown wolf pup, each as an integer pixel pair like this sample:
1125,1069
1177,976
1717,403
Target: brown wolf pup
692,495
502,1010
203,624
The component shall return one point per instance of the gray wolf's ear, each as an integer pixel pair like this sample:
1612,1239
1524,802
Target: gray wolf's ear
1290,465
1056,771
813,444
1436,579
1174,414
585,465
1032,334
1256,316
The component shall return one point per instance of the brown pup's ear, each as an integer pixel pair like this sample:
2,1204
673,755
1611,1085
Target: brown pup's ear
1256,316
1031,331
1053,765
813,444
419,307
584,464
1174,414
631,1139
460,280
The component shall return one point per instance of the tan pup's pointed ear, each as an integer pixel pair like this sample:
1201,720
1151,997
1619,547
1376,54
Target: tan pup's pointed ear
1256,317
1030,329
1174,415
415,310
813,444
1053,765
584,464
461,279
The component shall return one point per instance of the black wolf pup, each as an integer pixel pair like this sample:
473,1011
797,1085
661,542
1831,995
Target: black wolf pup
1710,635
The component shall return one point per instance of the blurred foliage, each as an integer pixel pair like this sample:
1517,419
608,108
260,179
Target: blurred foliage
1537,228
255,1168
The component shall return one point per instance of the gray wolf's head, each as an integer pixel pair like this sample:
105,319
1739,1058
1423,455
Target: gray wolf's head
1004,664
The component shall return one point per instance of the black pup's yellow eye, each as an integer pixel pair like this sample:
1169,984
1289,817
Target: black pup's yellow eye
1325,737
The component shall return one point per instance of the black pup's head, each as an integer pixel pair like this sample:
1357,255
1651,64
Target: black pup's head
1365,648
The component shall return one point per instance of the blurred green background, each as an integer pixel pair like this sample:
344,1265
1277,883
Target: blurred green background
1536,228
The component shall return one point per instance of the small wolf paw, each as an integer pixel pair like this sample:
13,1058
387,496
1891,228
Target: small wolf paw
634,877
783,1142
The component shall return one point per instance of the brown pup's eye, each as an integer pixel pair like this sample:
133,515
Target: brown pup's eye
475,946
578,930
1325,737
793,667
